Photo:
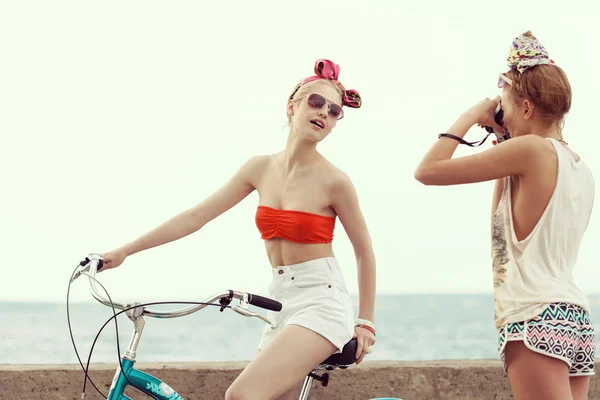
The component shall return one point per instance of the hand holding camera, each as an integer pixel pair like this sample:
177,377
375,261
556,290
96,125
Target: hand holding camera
488,114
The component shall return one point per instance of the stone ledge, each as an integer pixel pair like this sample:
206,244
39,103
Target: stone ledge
454,379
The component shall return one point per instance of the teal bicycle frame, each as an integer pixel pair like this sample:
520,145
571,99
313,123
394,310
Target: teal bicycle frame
144,382
128,375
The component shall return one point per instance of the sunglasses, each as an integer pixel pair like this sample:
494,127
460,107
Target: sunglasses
318,101
503,80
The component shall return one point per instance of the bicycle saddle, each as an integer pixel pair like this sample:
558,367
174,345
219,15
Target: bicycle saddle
346,357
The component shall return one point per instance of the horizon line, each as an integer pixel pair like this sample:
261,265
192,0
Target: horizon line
162,299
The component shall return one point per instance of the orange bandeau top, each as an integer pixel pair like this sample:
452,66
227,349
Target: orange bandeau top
295,226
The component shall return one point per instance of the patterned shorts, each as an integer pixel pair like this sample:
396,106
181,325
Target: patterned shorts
562,331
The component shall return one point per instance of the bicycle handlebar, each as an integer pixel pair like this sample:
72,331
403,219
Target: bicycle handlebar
264,302
93,262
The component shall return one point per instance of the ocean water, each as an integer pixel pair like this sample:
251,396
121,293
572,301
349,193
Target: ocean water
409,327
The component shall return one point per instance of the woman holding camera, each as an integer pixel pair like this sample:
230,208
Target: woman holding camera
541,206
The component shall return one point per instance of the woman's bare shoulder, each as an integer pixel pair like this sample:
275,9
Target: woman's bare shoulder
335,177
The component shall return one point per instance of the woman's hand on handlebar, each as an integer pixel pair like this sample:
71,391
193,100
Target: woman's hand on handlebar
113,259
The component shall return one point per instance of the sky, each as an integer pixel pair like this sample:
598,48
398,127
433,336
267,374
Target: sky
116,116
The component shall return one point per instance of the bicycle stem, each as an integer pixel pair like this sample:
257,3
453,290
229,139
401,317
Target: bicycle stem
135,314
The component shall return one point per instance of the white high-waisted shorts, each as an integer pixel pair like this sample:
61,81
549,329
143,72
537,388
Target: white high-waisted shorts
313,295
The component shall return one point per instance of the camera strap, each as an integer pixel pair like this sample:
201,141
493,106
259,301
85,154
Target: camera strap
462,141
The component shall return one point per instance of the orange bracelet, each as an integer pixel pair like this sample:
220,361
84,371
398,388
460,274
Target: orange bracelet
367,327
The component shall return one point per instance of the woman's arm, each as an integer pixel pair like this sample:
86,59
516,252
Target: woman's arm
517,156
240,185
345,204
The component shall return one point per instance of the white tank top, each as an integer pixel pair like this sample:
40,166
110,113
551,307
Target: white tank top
532,273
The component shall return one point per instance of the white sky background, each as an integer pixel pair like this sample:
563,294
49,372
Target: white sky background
116,116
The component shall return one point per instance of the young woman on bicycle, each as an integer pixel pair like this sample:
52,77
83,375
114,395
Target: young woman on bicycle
541,207
301,195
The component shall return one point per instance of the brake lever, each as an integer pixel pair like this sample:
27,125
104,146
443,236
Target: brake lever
86,267
242,309
247,313
86,264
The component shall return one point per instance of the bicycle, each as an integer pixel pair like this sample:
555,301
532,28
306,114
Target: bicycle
127,375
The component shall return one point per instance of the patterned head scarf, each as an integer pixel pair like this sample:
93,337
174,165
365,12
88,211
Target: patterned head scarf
527,52
326,69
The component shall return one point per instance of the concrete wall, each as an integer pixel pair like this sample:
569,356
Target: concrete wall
464,380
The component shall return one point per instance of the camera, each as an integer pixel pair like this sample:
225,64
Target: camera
498,118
